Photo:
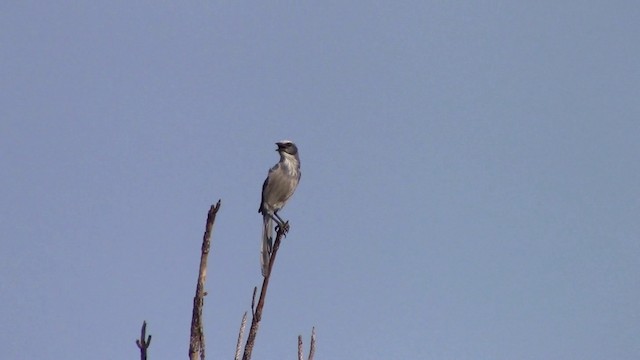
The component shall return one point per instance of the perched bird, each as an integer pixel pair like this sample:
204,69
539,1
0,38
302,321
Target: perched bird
278,187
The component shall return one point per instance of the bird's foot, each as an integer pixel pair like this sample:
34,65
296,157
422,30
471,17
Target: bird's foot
284,228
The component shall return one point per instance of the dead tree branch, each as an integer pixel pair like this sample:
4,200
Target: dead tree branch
243,326
300,350
257,313
312,346
196,343
144,341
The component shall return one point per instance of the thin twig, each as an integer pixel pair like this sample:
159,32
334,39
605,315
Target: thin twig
300,351
312,347
144,341
243,325
196,342
257,314
253,301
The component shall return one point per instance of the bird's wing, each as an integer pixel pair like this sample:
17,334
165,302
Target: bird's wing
266,185
279,188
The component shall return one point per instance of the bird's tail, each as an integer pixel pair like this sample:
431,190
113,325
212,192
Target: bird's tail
267,243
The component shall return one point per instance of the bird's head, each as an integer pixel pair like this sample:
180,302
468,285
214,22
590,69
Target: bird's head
287,147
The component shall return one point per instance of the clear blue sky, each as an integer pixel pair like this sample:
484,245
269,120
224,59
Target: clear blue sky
470,186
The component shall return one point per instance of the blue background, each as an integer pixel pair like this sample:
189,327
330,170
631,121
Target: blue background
470,186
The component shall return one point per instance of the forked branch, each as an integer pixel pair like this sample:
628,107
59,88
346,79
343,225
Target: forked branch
144,341
257,313
312,346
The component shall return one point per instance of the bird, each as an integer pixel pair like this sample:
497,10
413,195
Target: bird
280,184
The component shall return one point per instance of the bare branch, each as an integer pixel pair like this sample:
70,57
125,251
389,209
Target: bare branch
300,351
253,301
144,341
312,347
243,325
257,314
196,342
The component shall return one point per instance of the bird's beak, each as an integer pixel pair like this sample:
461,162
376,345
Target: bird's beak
280,146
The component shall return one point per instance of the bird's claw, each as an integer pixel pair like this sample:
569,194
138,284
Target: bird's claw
284,229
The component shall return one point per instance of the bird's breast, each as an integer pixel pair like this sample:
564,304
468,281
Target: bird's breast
291,167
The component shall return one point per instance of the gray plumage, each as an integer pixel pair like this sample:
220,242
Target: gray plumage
278,187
